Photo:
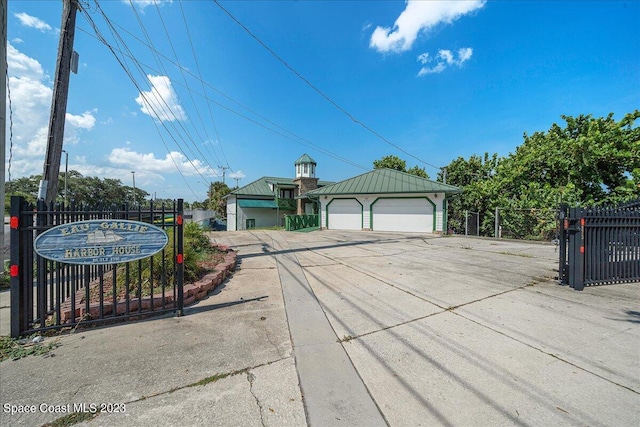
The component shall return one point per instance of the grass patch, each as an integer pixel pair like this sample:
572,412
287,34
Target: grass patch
71,419
520,255
14,349
346,338
214,378
4,277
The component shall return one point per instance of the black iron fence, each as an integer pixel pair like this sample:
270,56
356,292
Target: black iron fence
599,245
48,294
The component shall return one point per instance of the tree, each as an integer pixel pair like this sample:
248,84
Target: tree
390,162
588,161
396,163
418,171
216,201
82,190
475,177
26,187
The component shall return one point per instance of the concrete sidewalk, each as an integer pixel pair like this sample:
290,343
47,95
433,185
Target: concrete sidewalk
235,344
374,328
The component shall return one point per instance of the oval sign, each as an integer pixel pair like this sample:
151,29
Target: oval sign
100,241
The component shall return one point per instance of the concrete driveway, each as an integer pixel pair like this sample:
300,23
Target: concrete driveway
457,331
361,328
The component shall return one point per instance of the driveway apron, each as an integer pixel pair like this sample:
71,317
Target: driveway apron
334,393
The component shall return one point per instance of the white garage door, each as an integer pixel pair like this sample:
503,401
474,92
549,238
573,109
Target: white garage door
412,215
344,214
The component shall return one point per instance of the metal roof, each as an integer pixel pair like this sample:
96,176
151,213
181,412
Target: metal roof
305,158
385,181
261,186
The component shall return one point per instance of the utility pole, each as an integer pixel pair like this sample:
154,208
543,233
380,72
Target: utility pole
66,172
3,116
49,184
133,175
224,169
237,181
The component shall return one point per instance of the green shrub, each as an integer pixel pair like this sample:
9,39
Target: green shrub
196,247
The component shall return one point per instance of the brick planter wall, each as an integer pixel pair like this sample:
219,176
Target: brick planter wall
193,292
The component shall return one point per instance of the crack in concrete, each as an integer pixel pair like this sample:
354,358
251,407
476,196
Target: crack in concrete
206,380
555,356
251,378
276,346
444,310
73,398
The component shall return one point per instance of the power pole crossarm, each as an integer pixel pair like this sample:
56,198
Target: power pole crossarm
51,170
224,170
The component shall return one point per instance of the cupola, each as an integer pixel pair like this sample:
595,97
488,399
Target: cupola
305,167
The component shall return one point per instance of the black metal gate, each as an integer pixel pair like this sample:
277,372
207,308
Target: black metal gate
599,245
48,294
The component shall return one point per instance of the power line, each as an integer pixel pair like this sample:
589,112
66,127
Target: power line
315,88
195,58
160,101
170,110
224,169
190,92
288,134
204,83
128,72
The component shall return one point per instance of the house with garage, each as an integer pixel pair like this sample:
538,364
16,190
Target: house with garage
264,202
384,200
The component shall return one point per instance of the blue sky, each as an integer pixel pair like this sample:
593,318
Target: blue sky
430,81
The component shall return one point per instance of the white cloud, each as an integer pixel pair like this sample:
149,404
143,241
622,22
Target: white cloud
464,54
142,4
446,56
444,59
150,163
419,16
30,97
33,22
75,124
161,102
84,121
237,174
30,92
20,65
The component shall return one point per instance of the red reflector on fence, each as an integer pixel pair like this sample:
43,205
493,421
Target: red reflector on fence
179,258
179,220
13,270
14,222
581,249
582,222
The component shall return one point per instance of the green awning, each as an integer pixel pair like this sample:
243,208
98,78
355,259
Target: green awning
256,203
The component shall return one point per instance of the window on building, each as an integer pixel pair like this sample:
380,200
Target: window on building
306,168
